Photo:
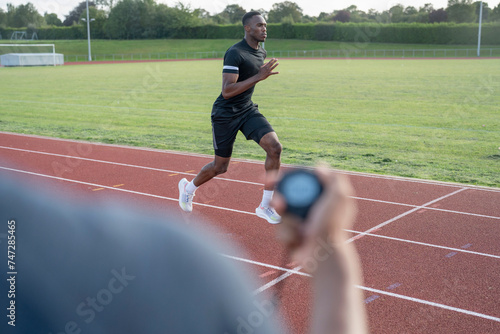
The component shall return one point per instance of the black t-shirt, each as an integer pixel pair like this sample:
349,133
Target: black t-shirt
245,61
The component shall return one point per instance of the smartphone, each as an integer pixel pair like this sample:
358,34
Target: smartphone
301,188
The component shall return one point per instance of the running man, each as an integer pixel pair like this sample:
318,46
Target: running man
234,111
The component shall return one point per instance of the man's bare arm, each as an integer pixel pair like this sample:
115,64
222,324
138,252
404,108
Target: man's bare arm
321,240
231,88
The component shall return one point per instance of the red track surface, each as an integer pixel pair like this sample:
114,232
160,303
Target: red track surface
430,251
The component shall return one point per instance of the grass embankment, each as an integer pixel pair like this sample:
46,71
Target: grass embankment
99,47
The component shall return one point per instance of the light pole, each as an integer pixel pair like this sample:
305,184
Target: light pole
479,36
88,30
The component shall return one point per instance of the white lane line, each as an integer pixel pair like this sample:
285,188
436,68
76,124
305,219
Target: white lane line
387,222
234,180
395,295
276,281
122,164
285,275
288,272
391,294
199,155
238,211
121,189
426,244
463,213
166,198
426,208
291,271
426,302
362,234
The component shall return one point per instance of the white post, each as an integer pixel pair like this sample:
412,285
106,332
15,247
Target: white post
479,36
88,30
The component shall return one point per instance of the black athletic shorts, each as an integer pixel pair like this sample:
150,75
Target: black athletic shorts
252,124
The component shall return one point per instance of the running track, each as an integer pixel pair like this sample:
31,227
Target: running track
430,251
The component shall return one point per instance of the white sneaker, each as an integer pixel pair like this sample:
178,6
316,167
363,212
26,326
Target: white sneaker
268,214
185,198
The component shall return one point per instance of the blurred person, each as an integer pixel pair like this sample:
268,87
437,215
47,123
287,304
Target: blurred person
87,267
110,267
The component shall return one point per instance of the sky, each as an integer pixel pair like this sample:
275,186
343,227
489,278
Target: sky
309,7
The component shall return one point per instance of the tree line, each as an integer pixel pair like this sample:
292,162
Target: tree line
148,19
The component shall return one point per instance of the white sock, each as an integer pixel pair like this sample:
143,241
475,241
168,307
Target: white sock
266,198
191,188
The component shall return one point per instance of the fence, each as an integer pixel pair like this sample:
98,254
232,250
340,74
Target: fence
348,52
401,53
147,56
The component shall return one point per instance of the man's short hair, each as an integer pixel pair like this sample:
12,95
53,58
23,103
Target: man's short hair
248,16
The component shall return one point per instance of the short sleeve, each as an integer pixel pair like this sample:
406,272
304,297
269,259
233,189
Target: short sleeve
232,61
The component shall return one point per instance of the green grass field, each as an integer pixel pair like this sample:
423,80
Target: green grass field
101,47
431,119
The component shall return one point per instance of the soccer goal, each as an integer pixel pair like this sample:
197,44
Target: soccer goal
30,55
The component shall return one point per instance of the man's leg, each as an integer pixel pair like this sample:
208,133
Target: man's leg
270,143
224,134
211,170
208,172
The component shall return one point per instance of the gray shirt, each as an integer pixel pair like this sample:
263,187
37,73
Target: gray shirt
106,268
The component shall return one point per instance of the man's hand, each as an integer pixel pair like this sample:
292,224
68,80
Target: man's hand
267,69
329,217
318,245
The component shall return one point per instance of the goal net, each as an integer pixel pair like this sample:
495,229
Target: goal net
30,55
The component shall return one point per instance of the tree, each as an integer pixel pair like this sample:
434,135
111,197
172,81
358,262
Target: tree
410,10
52,19
397,13
202,14
23,15
342,16
164,20
372,14
486,10
74,16
460,11
185,17
218,19
352,8
98,20
308,19
438,16
427,8
411,14
262,12
285,11
424,12
3,18
132,19
356,15
233,13
495,14
324,17
8,15
105,4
